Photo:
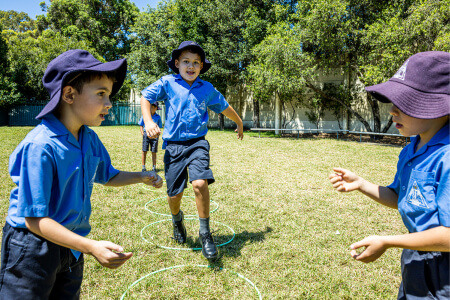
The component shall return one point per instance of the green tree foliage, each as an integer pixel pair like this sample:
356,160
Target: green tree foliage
103,24
365,40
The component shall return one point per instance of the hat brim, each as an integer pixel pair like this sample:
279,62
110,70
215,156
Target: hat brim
206,66
120,66
410,101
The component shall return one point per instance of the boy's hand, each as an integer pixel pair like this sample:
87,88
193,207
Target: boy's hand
344,180
151,178
152,130
109,254
240,132
375,247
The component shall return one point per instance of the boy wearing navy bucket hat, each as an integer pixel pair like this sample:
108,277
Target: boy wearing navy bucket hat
54,169
186,99
420,96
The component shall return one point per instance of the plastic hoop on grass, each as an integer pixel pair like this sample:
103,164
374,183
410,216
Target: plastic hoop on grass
185,249
182,266
169,215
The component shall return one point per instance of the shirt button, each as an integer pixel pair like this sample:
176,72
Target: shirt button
85,218
403,187
409,164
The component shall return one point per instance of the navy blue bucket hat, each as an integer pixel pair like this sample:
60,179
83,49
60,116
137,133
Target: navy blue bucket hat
184,46
420,88
74,61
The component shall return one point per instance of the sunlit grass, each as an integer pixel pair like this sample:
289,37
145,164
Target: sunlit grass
292,229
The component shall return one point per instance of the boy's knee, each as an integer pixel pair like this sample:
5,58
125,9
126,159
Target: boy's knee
200,185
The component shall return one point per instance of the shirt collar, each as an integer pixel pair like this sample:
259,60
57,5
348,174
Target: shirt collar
197,81
56,128
441,137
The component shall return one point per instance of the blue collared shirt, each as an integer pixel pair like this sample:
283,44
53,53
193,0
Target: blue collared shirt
156,118
55,174
422,183
186,113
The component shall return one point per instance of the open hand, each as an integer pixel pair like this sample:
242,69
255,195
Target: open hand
374,248
344,180
240,132
109,254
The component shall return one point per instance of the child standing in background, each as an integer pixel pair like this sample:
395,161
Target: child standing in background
147,142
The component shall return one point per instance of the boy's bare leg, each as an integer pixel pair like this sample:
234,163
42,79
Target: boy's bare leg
175,203
201,191
144,157
153,159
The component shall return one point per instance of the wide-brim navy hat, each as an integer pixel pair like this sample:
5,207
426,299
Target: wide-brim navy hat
420,88
186,45
74,61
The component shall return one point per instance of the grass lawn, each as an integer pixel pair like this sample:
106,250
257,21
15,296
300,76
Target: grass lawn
292,230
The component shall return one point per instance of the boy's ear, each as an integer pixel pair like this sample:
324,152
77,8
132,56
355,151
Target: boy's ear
177,63
68,94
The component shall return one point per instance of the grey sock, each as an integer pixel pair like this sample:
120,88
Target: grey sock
178,217
204,225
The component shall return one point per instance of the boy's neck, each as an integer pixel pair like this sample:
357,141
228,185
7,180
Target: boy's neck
437,125
71,126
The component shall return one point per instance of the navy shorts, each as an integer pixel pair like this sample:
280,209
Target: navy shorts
149,143
425,275
35,268
181,157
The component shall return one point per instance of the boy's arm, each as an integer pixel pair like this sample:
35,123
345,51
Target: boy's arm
151,127
435,239
107,254
126,178
346,181
231,114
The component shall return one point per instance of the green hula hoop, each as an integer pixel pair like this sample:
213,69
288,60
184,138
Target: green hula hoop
182,266
169,215
185,249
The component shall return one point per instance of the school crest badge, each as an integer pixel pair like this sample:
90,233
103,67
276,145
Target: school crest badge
415,196
401,72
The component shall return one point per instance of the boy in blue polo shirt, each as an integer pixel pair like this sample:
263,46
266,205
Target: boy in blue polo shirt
419,93
187,98
148,142
55,168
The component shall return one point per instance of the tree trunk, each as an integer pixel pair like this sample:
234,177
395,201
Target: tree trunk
348,107
256,119
221,122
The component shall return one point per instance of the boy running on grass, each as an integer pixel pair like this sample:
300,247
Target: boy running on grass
187,98
148,143
419,93
55,168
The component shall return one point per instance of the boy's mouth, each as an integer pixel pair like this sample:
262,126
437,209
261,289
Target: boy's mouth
398,125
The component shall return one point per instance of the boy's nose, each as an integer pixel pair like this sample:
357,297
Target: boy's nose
108,103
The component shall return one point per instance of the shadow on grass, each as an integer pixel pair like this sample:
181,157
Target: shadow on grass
233,249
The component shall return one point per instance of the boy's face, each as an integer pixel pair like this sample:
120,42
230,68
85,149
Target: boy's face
91,105
153,109
410,126
189,64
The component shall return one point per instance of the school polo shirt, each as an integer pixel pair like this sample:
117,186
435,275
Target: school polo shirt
422,183
156,118
55,174
186,113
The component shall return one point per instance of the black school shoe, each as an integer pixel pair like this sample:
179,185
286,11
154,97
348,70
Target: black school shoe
209,249
179,230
